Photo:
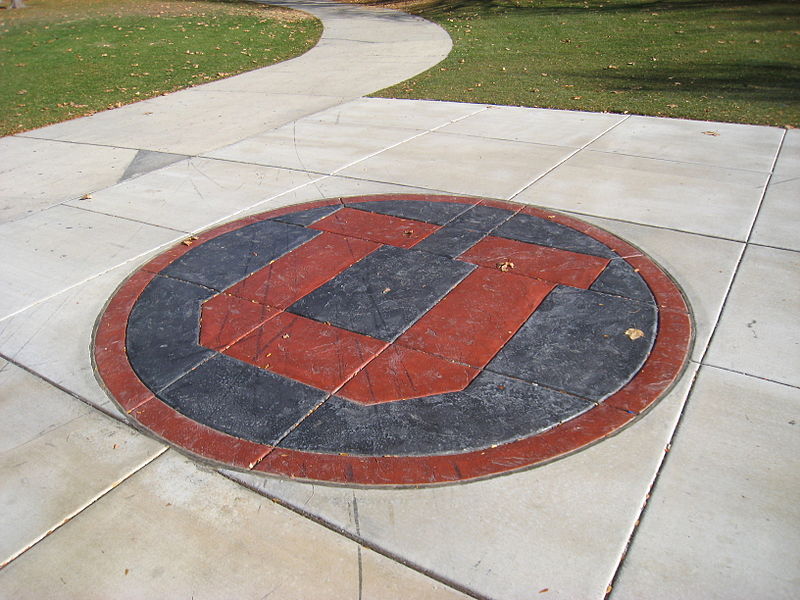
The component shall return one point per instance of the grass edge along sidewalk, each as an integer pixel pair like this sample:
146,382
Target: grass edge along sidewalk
736,61
62,59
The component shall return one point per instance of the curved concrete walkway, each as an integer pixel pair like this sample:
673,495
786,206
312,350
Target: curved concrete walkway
93,509
361,50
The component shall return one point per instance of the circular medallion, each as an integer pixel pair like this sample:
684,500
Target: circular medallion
393,339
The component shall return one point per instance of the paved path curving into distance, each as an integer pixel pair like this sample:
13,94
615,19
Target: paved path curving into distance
93,507
361,50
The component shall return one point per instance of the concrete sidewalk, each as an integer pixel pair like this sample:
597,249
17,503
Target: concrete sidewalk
696,500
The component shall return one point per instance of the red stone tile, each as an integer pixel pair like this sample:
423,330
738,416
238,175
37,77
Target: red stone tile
314,340
110,355
190,435
577,433
225,319
334,468
662,367
400,373
292,276
383,229
619,246
477,317
531,260
305,350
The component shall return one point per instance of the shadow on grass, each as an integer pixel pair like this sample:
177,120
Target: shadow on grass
768,82
741,8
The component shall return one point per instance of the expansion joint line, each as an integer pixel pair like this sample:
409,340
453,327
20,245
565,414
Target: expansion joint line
701,363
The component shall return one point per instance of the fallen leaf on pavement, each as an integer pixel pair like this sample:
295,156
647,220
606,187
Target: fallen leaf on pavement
634,334
505,266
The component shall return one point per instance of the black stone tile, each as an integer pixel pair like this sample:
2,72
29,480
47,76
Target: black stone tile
231,257
481,218
437,213
308,216
450,241
241,400
492,410
384,293
575,341
527,228
163,329
620,279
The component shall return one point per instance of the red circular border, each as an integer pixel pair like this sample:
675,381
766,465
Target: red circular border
661,369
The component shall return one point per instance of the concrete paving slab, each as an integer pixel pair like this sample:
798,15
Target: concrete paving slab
147,160
53,337
723,521
384,579
412,114
777,220
63,246
727,145
193,194
306,145
556,127
388,46
205,522
694,198
283,79
21,390
703,266
60,462
207,121
758,332
450,161
562,526
37,174
332,187
321,78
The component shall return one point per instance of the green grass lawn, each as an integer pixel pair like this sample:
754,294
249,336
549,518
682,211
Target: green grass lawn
736,61
61,59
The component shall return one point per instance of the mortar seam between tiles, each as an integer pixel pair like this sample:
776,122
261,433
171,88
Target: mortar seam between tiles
292,119
263,165
752,376
772,247
681,162
266,200
413,137
97,145
649,492
566,158
84,507
359,540
701,363
62,388
123,217
323,175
